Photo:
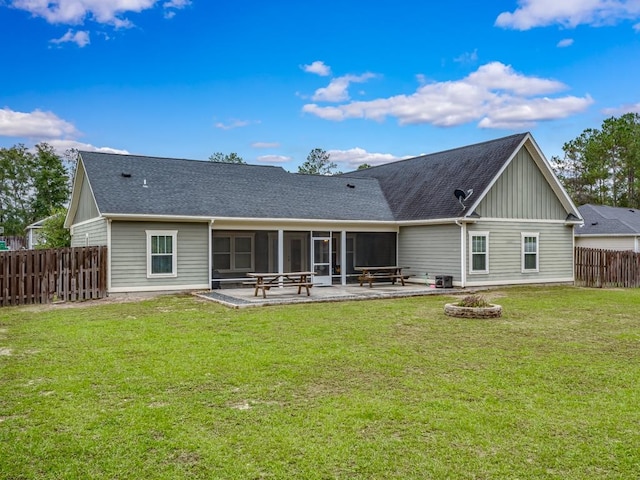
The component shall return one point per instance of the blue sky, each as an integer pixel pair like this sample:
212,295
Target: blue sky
367,81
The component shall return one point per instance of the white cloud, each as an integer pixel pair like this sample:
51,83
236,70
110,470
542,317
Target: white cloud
621,110
34,125
568,13
524,113
81,38
76,12
39,126
498,76
273,159
174,4
565,42
494,95
265,145
354,157
467,58
234,124
337,90
61,146
317,67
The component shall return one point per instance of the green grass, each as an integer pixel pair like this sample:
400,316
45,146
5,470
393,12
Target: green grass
177,387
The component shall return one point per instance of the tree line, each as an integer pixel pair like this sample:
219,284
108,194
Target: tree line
34,184
602,166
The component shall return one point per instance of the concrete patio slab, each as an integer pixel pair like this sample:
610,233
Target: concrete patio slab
245,297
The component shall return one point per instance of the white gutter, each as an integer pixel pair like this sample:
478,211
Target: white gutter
108,255
210,244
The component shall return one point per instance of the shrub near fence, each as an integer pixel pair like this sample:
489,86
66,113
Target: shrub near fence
42,276
606,268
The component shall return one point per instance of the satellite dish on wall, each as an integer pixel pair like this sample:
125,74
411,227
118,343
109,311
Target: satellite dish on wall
461,195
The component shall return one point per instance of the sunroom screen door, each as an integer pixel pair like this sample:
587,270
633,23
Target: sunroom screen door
321,258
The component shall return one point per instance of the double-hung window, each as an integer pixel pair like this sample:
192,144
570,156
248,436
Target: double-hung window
162,253
530,257
479,252
233,252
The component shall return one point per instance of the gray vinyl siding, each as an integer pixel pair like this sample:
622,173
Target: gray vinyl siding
129,255
90,234
555,250
433,250
522,191
87,208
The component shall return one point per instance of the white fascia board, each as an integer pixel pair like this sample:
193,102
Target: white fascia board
241,223
523,220
438,221
304,224
91,220
606,235
156,218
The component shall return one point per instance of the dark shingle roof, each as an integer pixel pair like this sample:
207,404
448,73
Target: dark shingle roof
605,220
422,187
200,188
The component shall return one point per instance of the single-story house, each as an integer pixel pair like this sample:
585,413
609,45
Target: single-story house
32,233
609,228
486,214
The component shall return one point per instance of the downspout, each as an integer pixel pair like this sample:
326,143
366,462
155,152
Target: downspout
210,243
108,255
463,253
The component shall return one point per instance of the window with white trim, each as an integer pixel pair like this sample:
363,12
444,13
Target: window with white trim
233,252
162,253
478,252
530,257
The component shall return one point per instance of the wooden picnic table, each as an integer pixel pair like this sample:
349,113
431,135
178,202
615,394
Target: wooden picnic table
369,274
265,281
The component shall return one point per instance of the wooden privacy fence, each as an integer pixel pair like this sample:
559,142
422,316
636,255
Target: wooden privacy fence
606,268
42,276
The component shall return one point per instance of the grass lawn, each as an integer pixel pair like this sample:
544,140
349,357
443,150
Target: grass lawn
177,387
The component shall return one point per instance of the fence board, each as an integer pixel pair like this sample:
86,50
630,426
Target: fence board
606,268
40,276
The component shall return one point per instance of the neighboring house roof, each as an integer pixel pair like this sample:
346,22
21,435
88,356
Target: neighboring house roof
38,224
604,220
423,187
178,187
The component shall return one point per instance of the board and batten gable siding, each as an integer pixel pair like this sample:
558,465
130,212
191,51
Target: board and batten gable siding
522,191
129,256
89,234
87,208
621,243
555,250
430,249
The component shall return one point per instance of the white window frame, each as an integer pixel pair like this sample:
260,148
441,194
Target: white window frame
174,254
471,253
535,235
232,245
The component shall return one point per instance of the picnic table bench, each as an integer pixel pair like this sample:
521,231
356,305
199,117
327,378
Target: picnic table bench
266,281
370,274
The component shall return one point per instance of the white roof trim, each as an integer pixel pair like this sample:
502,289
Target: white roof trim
256,221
